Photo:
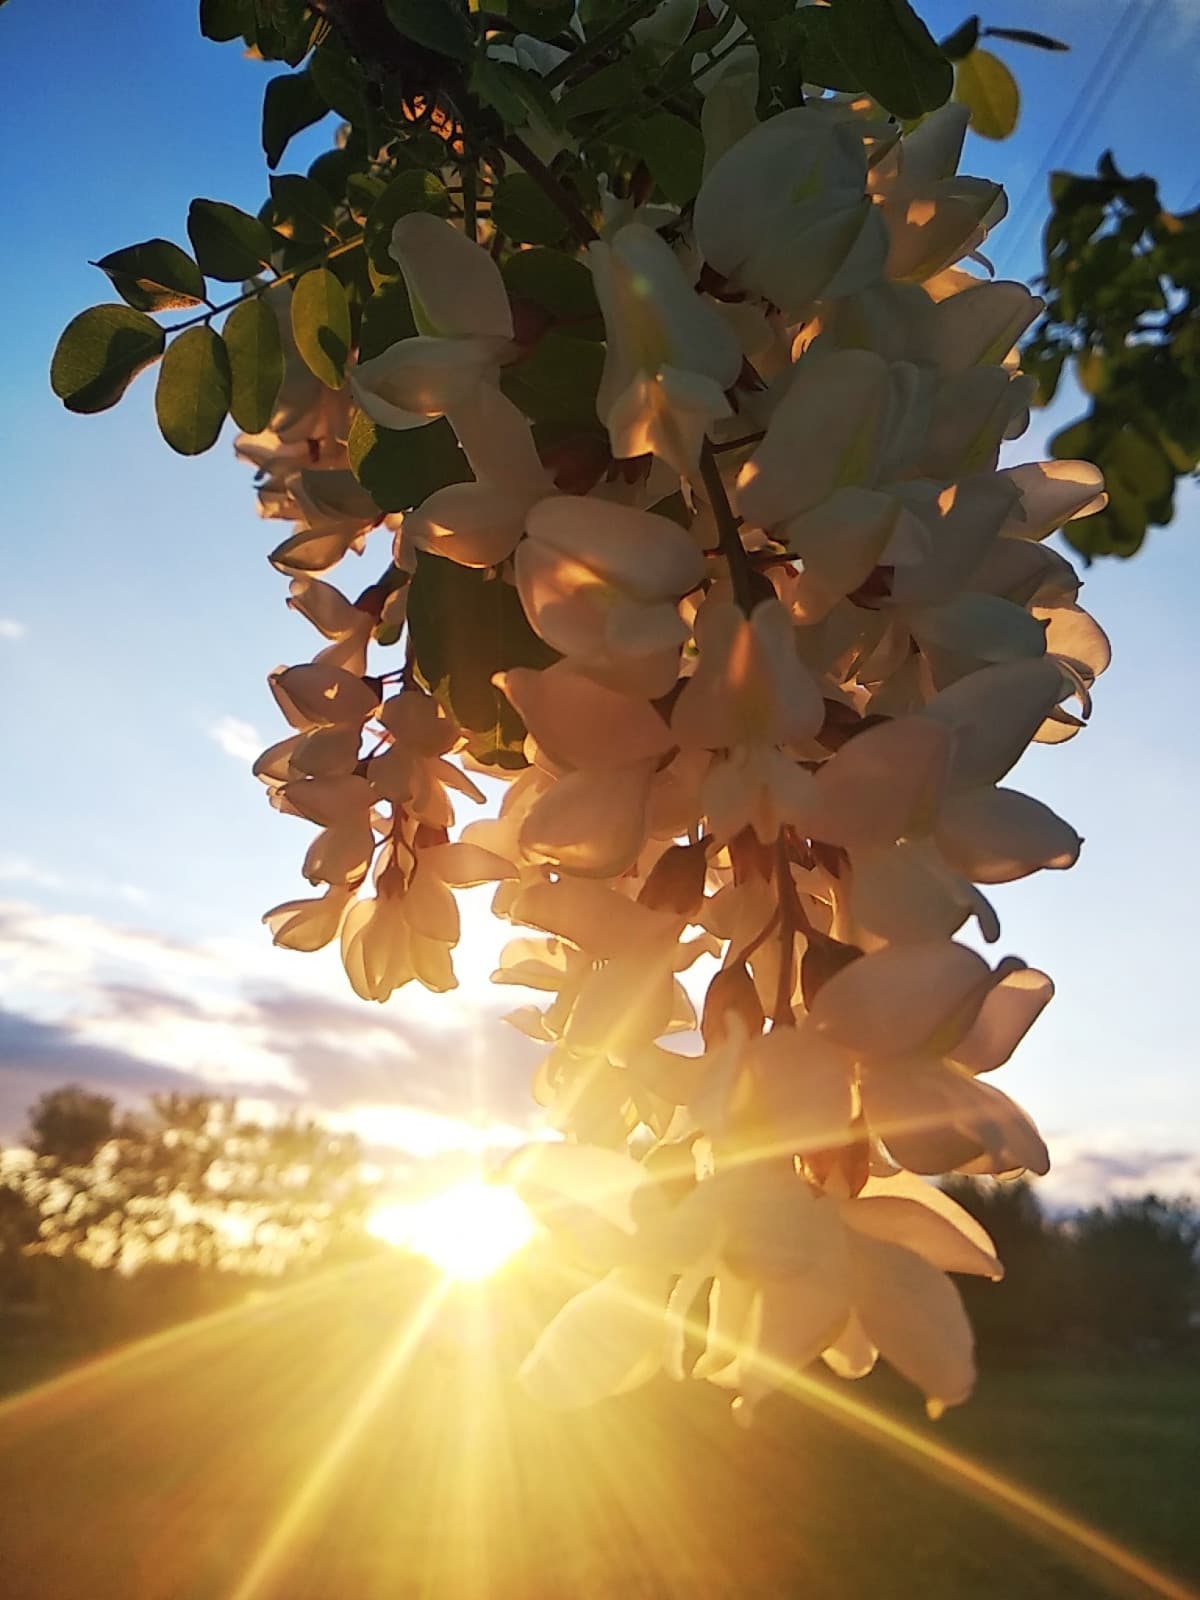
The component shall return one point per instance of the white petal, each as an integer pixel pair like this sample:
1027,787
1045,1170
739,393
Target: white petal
998,835
600,1343
454,285
913,1313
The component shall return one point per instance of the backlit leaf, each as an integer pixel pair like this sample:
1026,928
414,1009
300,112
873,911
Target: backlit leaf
321,325
989,91
255,351
155,275
99,354
228,243
191,399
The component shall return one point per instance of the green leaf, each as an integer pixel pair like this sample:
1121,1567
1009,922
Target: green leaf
333,170
321,325
411,191
542,18
496,84
557,381
223,20
439,25
891,51
191,400
363,190
100,353
301,209
559,283
229,244
387,317
291,102
465,627
401,467
962,41
524,214
672,149
807,43
339,80
155,275
255,351
615,85
989,91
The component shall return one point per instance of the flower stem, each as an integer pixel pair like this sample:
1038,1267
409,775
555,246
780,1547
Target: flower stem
740,572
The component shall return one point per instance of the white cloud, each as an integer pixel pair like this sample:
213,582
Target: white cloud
86,999
19,869
238,739
10,628
1090,1170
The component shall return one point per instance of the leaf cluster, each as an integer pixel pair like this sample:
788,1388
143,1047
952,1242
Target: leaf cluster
1122,290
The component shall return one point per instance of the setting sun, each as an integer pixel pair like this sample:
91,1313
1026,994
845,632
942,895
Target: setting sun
468,1231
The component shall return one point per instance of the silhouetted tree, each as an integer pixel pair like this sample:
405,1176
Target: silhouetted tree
1135,1273
1024,1314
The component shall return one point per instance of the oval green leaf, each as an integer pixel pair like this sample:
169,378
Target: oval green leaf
100,353
989,91
524,214
192,397
401,467
440,25
255,352
891,52
229,244
155,275
290,102
321,325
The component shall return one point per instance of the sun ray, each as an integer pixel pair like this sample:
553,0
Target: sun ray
196,1329
992,1489
275,1547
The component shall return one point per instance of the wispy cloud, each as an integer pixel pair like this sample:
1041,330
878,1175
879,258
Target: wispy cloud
1103,1167
19,869
238,739
10,628
130,1011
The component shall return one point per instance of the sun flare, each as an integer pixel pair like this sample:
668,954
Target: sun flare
468,1231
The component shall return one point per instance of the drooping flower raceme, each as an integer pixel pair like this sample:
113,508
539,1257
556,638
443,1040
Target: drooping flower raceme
764,649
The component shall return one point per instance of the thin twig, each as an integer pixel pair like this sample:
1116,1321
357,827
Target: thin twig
551,187
261,288
614,33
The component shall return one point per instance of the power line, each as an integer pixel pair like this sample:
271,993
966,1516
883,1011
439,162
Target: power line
1113,60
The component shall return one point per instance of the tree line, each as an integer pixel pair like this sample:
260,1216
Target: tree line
113,1223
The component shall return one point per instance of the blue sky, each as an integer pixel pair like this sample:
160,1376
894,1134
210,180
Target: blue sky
140,617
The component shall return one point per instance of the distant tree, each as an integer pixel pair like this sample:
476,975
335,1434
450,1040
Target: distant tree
1024,1313
69,1125
186,1181
18,1232
1136,1272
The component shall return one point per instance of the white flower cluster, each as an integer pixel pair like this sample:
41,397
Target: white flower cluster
805,625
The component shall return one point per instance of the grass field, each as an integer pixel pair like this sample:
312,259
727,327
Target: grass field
296,1450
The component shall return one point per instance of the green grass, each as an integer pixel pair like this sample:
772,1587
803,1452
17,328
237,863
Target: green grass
162,1475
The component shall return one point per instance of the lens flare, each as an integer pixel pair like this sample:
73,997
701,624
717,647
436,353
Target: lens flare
468,1231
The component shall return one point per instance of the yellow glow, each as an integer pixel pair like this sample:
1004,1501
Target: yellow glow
469,1231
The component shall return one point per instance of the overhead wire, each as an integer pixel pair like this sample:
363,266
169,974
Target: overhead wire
1114,59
